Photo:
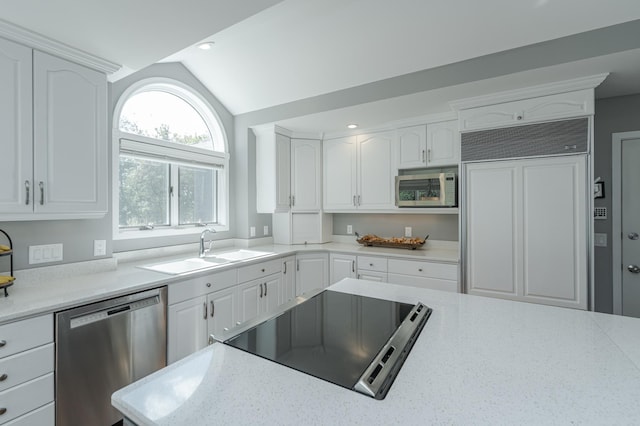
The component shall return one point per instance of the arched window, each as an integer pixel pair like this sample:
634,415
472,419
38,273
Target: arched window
172,161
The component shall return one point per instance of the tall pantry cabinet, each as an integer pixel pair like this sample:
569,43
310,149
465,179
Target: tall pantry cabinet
527,210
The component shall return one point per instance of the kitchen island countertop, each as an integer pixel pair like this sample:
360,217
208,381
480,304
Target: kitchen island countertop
478,361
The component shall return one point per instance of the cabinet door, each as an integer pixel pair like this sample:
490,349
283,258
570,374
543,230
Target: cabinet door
187,328
222,310
70,149
312,272
375,175
249,295
287,290
283,173
554,231
341,266
412,147
270,298
492,215
443,144
339,174
16,139
306,185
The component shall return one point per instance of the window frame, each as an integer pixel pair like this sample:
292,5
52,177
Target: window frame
188,155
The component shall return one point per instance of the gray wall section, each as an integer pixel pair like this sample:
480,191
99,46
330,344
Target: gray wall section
436,226
613,115
77,236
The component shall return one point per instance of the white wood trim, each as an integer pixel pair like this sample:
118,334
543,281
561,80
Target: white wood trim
45,44
589,82
616,206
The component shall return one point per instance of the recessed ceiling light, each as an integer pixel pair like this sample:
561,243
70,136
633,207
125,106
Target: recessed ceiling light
352,126
207,45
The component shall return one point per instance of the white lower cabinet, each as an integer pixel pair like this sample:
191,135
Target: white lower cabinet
258,297
287,290
312,272
26,367
199,307
341,266
372,268
432,275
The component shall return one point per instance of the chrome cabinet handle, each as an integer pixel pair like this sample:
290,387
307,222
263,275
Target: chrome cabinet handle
632,235
2,343
27,189
2,411
208,284
41,185
285,268
265,289
213,309
354,200
568,147
359,200
423,158
261,290
205,310
3,377
353,266
429,155
634,269
293,200
419,269
297,265
289,200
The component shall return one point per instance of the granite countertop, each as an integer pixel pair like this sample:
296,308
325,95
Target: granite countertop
478,361
50,289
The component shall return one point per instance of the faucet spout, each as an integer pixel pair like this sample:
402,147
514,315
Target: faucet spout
203,251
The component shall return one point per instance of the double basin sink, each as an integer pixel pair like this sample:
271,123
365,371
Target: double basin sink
184,266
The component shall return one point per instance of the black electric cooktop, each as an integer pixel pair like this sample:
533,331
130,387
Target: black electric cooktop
337,337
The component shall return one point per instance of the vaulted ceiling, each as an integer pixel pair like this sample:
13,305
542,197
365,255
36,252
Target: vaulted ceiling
269,53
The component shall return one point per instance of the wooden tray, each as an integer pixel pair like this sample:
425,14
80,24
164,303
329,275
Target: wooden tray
390,244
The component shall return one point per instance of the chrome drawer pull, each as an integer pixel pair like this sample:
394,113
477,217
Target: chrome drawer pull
2,343
3,377
41,193
265,289
205,310
26,185
213,309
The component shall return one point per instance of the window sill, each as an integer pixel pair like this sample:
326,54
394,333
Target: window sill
165,232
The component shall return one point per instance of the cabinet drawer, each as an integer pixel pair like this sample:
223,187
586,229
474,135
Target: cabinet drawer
372,276
26,334
418,268
259,270
43,416
24,366
423,282
26,397
195,287
371,263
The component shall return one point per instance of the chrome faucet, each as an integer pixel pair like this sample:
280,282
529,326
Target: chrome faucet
202,234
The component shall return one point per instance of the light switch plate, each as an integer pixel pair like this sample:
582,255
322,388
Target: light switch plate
252,231
265,230
349,229
45,253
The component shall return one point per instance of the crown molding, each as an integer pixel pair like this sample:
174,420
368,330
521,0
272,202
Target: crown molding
45,44
266,129
581,83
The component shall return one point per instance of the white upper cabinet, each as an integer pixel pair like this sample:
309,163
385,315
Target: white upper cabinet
443,144
359,172
16,173
543,108
433,145
306,172
412,147
70,115
57,163
288,173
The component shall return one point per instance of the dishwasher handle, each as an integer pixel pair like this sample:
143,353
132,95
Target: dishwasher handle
113,311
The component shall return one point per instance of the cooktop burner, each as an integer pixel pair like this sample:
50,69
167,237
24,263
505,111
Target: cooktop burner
353,341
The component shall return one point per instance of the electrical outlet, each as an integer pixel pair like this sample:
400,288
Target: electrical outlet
265,230
45,253
99,247
600,240
252,231
349,229
407,231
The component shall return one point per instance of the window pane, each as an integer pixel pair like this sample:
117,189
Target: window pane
161,115
197,195
144,192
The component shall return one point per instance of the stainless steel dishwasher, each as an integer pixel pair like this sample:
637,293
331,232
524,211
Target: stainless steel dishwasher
103,347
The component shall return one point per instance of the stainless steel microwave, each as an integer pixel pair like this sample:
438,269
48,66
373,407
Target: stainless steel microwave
427,190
